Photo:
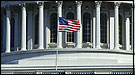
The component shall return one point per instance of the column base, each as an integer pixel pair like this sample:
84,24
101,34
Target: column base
59,46
116,48
7,51
111,48
23,49
94,47
127,48
40,47
98,47
78,46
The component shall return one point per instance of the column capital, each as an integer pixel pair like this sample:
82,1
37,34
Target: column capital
59,3
78,3
40,3
22,4
98,3
117,4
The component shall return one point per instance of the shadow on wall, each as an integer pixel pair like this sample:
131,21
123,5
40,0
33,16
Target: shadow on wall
14,59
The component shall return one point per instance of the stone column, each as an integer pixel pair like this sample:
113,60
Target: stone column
97,27
41,25
94,17
8,16
79,33
111,27
116,25
16,32
127,31
59,34
132,28
23,31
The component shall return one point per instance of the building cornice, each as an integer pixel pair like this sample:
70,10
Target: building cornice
4,3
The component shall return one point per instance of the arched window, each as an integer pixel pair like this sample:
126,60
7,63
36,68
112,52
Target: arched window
12,33
70,35
120,29
103,28
86,27
53,27
36,29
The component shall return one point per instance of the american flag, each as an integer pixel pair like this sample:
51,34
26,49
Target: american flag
68,25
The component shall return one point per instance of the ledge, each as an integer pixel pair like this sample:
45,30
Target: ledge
23,68
93,50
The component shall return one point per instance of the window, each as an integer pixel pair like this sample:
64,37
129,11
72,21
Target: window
120,29
12,32
103,28
53,27
86,27
36,29
70,35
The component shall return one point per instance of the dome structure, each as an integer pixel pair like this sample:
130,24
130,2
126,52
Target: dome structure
31,43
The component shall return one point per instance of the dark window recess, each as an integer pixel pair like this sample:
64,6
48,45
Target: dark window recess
120,29
12,33
86,27
70,35
53,27
103,28
36,29
130,29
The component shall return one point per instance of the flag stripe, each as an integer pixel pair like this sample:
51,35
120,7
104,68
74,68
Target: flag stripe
69,25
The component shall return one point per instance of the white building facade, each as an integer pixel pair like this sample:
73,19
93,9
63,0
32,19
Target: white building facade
30,38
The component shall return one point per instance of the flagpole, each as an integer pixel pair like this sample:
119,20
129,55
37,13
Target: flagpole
58,35
59,14
57,51
57,44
